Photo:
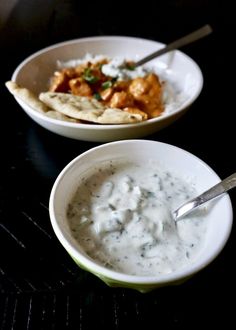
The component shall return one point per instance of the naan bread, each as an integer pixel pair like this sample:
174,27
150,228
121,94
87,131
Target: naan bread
82,108
57,115
67,107
27,96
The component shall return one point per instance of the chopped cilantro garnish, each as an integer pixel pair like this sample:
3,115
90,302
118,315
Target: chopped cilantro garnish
89,77
97,96
107,84
130,66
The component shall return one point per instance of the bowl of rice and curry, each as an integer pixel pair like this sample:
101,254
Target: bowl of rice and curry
89,89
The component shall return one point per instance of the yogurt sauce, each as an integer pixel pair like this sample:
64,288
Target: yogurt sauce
121,217
115,68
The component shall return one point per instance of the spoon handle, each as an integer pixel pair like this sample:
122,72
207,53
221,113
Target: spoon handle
198,34
218,189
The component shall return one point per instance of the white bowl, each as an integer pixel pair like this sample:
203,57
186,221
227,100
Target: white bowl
176,67
219,216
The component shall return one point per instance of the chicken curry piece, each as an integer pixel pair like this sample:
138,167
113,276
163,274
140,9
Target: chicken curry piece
141,95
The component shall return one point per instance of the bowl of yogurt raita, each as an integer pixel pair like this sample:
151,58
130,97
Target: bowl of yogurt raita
111,209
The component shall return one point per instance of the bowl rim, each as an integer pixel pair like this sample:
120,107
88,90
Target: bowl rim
96,126
102,271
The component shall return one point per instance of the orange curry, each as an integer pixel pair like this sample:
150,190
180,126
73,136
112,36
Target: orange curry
141,95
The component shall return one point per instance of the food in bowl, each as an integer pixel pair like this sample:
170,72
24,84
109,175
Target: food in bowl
182,76
121,217
72,108
116,83
68,218
95,89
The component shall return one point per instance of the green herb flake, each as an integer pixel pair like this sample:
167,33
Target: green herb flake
107,84
89,77
130,66
97,96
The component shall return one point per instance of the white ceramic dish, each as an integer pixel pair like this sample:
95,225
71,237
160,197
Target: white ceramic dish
176,67
219,215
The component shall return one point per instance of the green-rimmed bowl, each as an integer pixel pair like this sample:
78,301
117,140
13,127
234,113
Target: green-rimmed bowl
219,216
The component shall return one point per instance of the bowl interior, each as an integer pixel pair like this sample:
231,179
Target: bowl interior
219,215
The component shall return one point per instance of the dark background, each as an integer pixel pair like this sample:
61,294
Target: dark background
40,286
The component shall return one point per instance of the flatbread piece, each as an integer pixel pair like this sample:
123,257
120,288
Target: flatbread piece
27,96
82,108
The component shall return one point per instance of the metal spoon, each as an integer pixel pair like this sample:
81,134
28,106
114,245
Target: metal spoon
218,189
198,34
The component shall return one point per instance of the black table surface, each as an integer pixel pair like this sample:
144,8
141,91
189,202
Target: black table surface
40,285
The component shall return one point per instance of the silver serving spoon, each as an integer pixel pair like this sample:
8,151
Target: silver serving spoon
218,189
198,34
